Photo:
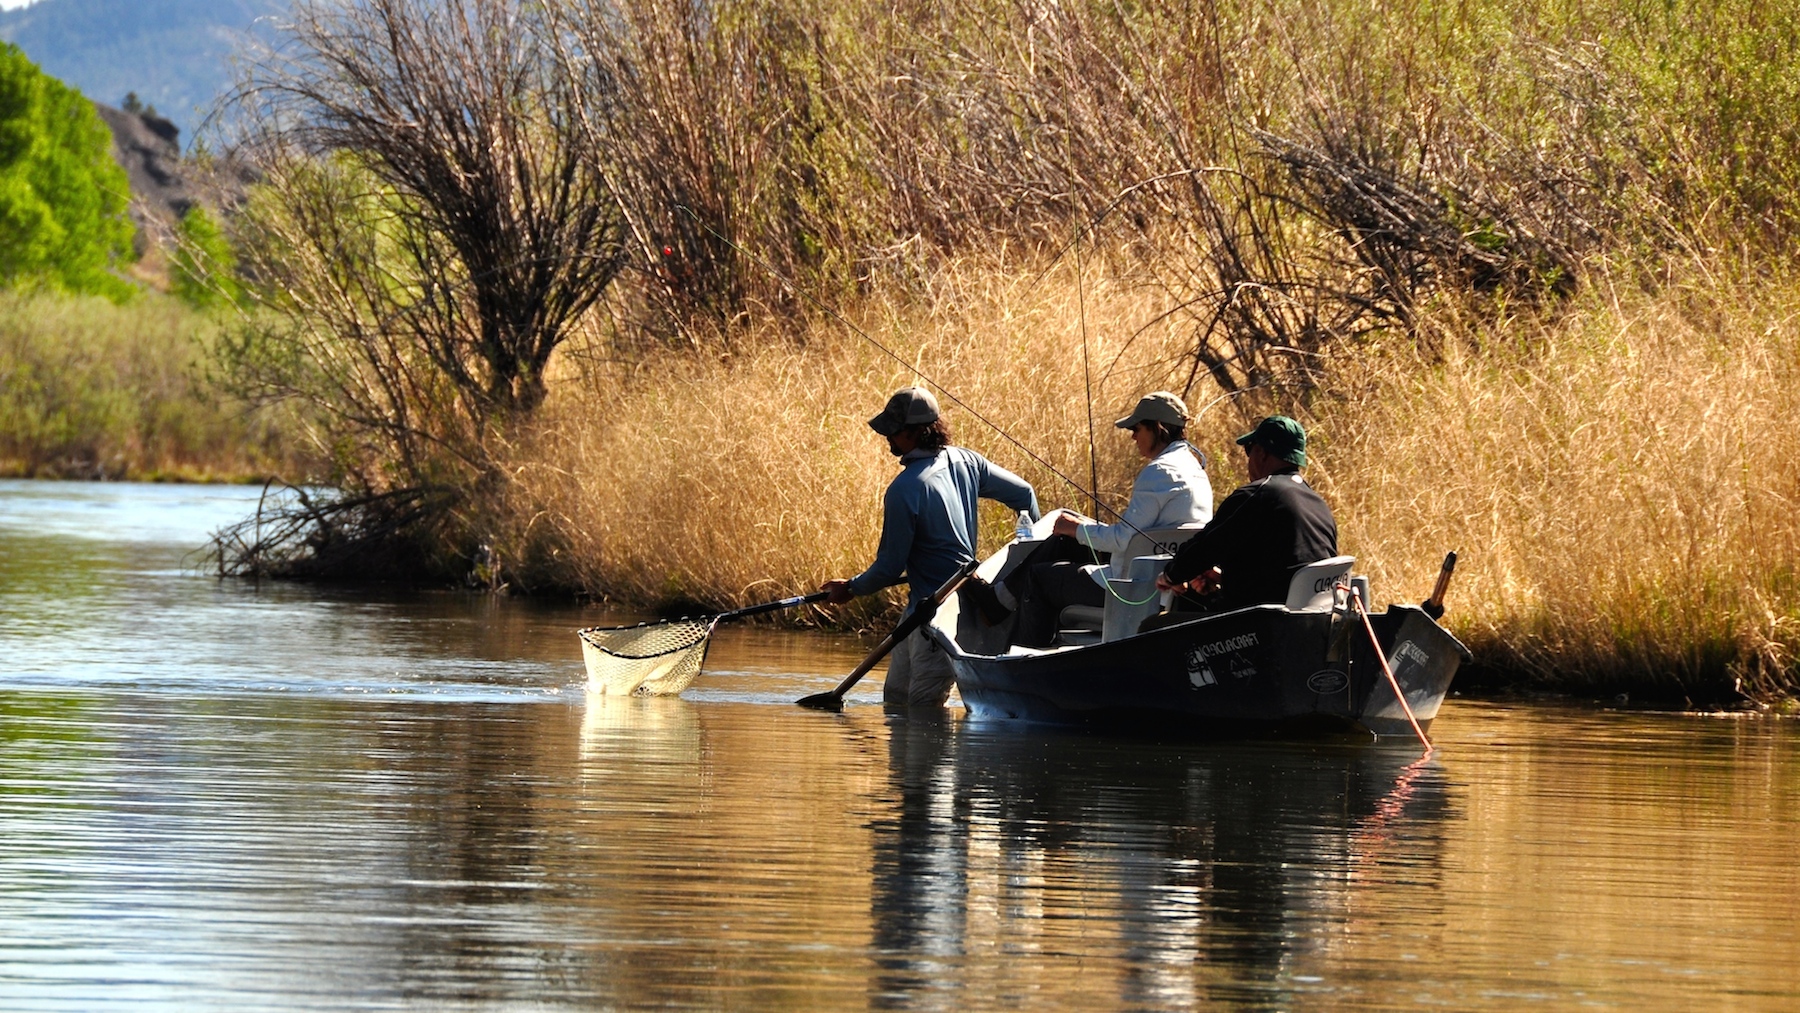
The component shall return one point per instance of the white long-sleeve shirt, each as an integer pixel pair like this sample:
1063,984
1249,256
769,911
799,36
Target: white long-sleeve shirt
1170,491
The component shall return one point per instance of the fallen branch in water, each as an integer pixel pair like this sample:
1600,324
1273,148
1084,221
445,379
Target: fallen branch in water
298,533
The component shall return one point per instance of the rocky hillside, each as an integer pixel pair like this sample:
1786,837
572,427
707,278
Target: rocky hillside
149,147
177,55
164,185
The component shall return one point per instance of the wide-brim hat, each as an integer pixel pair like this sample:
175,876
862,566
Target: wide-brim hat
1281,436
911,406
1156,406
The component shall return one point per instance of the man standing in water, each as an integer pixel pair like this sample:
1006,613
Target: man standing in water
1262,533
927,533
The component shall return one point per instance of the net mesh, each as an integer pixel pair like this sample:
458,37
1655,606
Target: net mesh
655,659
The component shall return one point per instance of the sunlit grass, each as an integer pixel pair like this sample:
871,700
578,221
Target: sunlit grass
727,480
1621,484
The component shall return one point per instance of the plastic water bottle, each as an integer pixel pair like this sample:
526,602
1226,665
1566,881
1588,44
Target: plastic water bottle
1023,531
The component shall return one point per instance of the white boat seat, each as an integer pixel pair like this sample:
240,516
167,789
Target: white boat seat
1131,597
1314,586
1158,541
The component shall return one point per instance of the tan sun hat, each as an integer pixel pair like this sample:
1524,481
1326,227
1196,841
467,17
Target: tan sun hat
1156,406
911,406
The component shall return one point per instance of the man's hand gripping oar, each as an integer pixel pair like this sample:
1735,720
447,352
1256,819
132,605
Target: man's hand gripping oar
927,610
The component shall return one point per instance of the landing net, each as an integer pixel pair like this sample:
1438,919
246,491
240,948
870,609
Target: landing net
655,659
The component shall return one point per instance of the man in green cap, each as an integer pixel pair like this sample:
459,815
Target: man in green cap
1263,532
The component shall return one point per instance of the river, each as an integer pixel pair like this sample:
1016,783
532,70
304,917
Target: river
223,795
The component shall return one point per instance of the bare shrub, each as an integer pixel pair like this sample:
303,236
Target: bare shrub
703,118
301,533
426,235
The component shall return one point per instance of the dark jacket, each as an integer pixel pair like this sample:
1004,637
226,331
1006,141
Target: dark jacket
1258,537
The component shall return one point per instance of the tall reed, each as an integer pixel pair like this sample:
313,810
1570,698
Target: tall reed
723,479
1621,483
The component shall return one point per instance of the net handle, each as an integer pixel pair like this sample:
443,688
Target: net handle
771,606
718,617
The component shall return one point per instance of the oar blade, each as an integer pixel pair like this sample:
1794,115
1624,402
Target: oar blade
831,701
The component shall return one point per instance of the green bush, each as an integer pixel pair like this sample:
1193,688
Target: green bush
203,269
91,389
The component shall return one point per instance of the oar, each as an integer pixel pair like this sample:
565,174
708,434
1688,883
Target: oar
834,700
1434,605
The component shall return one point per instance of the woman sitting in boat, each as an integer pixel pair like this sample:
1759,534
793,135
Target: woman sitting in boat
1171,491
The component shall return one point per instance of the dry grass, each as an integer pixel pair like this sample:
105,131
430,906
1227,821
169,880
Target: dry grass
1619,482
723,481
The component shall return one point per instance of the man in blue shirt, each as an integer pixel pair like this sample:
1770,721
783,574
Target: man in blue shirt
928,528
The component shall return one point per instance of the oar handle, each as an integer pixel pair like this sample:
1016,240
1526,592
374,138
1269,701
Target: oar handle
773,606
920,616
1434,605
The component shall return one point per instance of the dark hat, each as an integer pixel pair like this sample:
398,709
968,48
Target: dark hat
913,406
1280,436
1156,406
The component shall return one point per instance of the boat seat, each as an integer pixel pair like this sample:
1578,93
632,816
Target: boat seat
1131,596
1314,586
1080,624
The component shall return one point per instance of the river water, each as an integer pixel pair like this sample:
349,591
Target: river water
224,795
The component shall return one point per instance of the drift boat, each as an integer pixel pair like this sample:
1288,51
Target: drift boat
1309,665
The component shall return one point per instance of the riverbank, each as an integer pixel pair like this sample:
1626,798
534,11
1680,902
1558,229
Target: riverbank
1520,268
94,389
1614,478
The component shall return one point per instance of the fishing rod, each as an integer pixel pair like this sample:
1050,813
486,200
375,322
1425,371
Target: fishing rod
1087,377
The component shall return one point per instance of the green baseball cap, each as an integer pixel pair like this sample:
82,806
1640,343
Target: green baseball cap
1280,436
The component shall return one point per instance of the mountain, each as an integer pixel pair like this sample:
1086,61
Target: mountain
175,55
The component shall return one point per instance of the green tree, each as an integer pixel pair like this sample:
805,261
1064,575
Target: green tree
205,268
62,196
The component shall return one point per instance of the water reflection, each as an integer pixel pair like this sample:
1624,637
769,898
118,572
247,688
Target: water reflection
224,796
1199,871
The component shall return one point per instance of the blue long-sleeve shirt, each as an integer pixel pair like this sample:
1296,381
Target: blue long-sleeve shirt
929,518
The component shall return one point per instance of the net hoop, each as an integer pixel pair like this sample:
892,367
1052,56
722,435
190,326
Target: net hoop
649,659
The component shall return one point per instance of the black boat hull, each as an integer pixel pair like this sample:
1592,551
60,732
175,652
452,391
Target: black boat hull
1256,670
